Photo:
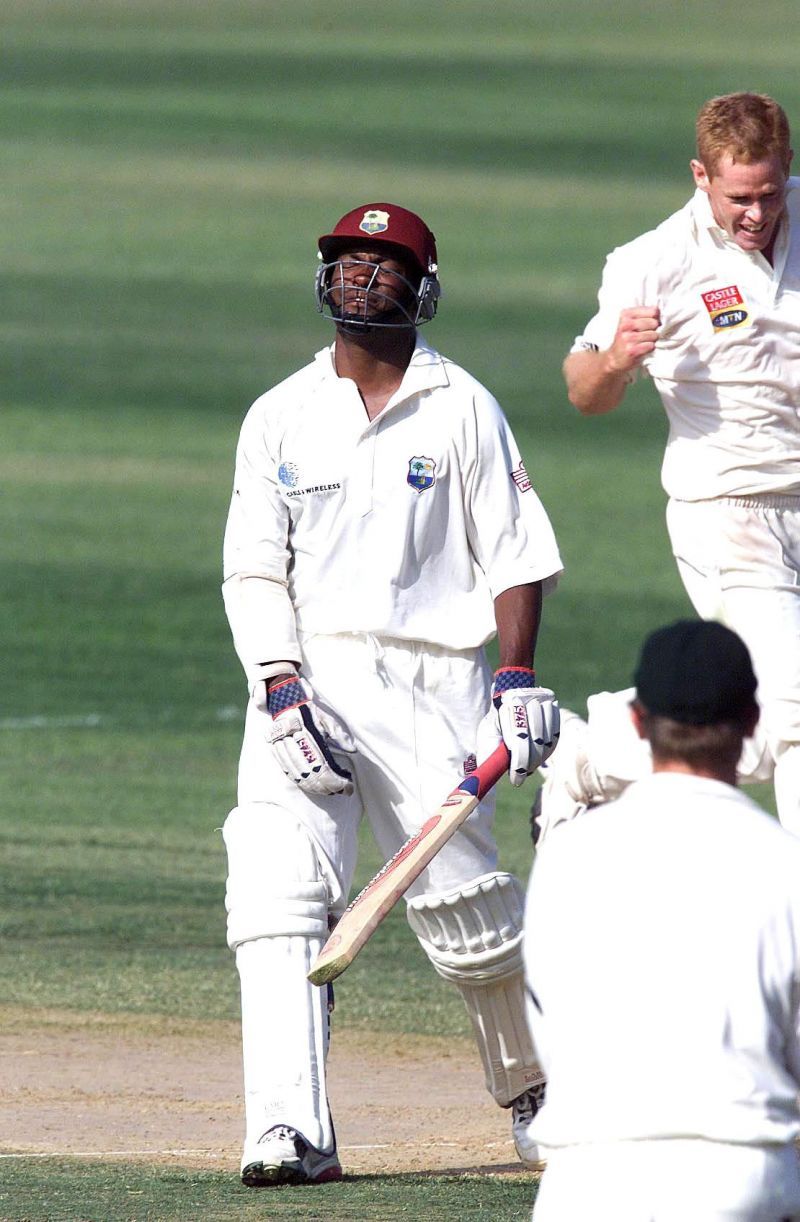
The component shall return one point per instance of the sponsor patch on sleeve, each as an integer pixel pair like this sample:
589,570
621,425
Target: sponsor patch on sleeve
521,478
726,308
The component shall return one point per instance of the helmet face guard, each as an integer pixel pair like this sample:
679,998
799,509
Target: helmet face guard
366,305
413,297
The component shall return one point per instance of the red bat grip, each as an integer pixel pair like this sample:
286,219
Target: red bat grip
486,774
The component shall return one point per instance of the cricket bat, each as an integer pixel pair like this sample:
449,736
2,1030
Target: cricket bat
360,920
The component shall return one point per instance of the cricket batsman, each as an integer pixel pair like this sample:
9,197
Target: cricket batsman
382,530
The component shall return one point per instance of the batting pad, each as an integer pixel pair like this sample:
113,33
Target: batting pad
274,886
472,933
473,937
284,1041
277,922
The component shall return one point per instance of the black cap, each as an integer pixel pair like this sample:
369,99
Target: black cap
697,672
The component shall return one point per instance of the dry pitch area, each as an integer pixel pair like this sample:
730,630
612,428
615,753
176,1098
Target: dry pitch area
151,1090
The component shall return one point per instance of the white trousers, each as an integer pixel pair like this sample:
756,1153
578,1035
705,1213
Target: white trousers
413,712
739,560
669,1181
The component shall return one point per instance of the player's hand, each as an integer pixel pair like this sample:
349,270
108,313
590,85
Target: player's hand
636,337
302,736
524,717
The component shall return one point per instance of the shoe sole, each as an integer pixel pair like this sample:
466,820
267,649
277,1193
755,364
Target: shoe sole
538,1164
256,1175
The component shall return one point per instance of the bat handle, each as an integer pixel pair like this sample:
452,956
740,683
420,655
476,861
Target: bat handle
487,773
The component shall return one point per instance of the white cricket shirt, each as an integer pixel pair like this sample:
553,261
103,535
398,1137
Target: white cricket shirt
663,947
407,526
727,365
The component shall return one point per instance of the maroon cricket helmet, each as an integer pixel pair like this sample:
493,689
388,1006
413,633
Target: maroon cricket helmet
383,223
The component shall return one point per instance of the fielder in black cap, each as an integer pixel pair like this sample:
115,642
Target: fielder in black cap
695,697
662,953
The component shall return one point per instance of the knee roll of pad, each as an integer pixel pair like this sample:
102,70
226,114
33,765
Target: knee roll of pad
472,933
473,937
274,886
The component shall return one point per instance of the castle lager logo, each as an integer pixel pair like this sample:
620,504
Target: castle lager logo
726,308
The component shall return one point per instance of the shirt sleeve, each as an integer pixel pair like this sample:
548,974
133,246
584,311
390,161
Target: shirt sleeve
621,287
257,556
509,531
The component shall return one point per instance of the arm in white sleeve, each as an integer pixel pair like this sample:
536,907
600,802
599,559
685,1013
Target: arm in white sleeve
262,623
619,339
624,285
510,533
257,556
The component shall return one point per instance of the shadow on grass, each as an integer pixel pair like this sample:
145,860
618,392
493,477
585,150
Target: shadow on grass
515,1171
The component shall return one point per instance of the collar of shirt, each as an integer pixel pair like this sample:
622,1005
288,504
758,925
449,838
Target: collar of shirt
684,783
426,370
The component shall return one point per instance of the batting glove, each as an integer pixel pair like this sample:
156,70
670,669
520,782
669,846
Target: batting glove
524,717
302,736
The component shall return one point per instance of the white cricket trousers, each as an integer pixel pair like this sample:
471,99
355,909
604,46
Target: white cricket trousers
675,1180
413,711
739,559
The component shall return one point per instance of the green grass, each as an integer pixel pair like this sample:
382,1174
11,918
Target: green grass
168,168
93,1192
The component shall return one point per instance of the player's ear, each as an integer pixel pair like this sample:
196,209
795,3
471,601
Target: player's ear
751,720
701,178
637,717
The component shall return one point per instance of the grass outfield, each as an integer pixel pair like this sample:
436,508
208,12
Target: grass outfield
168,168
152,1194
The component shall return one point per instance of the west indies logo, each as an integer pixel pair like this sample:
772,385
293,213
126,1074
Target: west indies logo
374,221
421,473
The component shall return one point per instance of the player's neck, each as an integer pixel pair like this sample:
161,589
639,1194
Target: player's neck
726,774
376,362
769,250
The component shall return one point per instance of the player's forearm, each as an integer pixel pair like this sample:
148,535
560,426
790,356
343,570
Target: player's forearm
594,384
262,622
518,613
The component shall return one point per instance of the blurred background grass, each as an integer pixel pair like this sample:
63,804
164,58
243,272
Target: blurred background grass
168,168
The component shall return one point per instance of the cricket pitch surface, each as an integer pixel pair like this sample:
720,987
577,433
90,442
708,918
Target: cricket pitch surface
145,1089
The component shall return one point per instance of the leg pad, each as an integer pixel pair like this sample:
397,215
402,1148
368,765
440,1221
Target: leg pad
473,937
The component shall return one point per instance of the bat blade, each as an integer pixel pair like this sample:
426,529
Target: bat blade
378,897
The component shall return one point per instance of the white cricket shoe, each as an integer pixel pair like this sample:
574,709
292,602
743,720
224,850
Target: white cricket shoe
523,1114
283,1156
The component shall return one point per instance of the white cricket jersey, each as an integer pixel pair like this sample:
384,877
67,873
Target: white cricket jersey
727,365
663,952
407,526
